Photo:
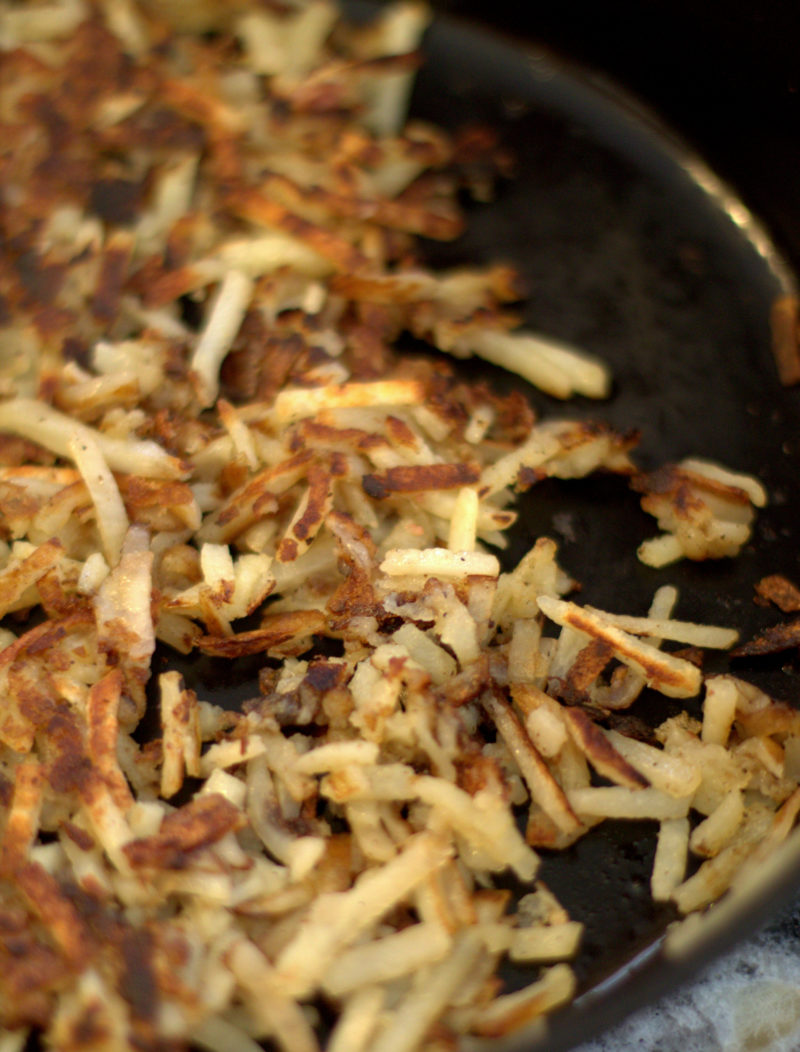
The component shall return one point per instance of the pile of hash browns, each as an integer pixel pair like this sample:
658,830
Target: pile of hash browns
211,222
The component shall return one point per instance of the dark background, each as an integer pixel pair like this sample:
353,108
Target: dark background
726,75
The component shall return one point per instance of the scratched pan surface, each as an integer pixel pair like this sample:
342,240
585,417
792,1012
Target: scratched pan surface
632,249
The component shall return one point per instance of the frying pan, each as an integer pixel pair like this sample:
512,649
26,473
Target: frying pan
633,247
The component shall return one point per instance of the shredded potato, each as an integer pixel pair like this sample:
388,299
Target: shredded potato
212,444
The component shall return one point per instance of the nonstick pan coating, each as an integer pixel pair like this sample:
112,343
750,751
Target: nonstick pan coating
632,249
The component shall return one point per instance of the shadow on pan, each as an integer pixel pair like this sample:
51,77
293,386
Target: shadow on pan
630,247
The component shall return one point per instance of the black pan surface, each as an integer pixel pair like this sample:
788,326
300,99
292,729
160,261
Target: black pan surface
632,249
